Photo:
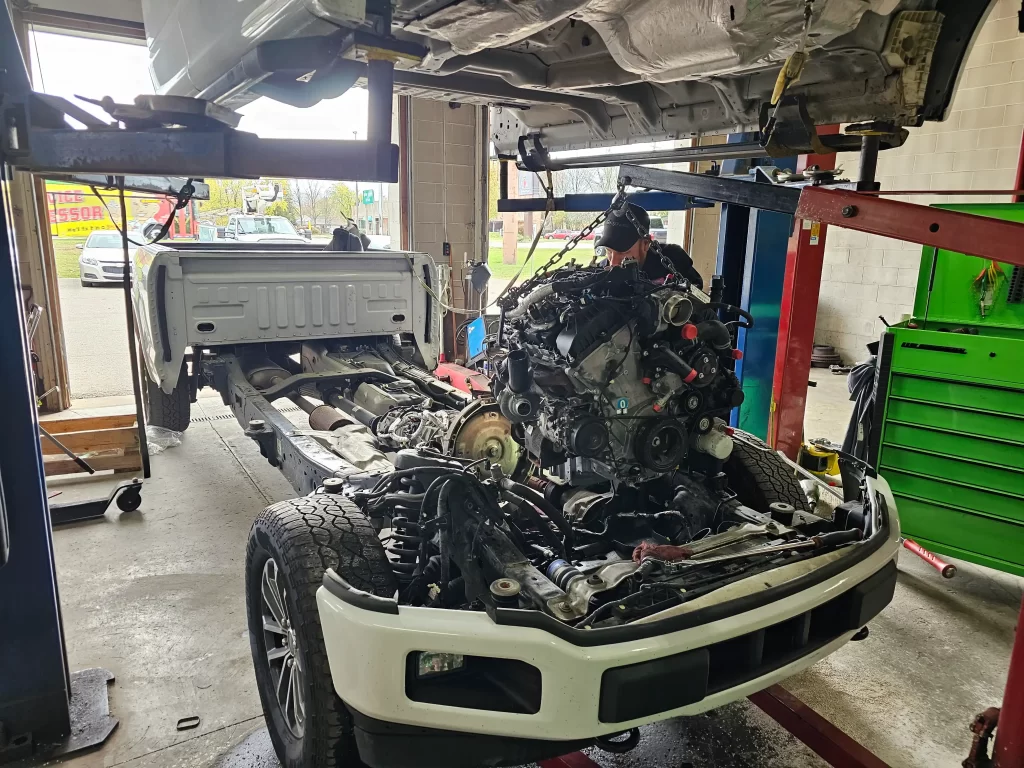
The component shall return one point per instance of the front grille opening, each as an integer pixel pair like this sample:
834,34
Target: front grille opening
495,685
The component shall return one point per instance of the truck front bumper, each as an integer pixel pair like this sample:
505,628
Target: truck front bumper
563,688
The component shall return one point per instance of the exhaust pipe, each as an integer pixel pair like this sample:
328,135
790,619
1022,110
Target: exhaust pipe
323,418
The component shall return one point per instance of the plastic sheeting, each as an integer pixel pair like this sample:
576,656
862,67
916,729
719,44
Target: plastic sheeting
659,40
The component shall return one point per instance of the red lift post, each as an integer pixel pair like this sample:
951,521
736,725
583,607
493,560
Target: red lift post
804,261
1009,746
1008,751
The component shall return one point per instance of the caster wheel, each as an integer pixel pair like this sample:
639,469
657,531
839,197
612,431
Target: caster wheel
129,500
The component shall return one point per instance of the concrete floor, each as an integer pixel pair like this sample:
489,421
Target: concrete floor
157,597
95,338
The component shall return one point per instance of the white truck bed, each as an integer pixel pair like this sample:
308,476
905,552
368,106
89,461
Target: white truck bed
217,294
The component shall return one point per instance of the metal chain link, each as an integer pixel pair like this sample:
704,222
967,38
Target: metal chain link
574,241
654,244
513,297
619,200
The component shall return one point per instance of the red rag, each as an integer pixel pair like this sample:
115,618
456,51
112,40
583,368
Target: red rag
666,552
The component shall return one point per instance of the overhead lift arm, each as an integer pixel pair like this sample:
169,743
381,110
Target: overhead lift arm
845,207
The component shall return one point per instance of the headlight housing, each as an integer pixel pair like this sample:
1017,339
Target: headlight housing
92,261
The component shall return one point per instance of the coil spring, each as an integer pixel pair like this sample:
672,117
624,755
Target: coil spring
406,536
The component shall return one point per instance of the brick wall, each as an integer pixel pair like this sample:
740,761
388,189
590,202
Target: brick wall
976,147
445,201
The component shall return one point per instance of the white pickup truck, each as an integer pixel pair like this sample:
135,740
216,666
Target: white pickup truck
218,314
502,579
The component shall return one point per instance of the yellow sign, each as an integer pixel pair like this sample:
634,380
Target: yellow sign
75,211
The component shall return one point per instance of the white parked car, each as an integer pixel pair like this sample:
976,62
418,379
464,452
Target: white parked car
262,229
379,242
102,258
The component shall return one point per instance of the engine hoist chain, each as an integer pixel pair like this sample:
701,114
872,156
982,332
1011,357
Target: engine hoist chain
514,295
574,241
654,245
618,202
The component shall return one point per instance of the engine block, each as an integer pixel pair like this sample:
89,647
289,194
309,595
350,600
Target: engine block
613,377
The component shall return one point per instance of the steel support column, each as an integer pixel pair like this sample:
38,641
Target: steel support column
1008,751
34,678
751,260
380,81
797,315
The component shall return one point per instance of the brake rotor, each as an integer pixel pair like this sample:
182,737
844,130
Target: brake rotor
481,432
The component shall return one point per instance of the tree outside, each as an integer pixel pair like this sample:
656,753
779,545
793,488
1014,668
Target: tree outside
314,203
340,204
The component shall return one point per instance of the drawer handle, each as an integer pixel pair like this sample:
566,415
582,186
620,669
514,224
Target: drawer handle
935,348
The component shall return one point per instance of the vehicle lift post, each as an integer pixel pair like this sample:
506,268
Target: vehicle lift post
45,710
805,259
752,262
1008,750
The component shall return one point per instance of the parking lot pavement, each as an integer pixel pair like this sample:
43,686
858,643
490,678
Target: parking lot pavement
95,339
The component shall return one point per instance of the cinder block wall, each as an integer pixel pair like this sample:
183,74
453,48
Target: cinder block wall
704,223
976,147
445,194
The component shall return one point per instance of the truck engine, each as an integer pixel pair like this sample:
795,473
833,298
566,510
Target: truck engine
616,504
614,378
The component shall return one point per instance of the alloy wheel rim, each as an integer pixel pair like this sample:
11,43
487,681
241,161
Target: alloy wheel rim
282,650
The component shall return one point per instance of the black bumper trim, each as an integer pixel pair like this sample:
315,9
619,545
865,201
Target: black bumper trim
392,745
345,592
660,685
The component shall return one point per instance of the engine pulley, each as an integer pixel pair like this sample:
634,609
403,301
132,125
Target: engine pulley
661,444
693,401
589,438
705,367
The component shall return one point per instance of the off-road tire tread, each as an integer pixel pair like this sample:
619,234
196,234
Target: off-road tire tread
759,476
310,535
171,411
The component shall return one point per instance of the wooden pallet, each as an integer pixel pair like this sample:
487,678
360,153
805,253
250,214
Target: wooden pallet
104,442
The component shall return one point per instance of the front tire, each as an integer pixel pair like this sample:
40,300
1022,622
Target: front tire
759,476
171,411
291,545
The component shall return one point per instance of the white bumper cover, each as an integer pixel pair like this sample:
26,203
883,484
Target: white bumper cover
368,649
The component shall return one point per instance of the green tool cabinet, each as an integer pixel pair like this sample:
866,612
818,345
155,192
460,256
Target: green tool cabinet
948,432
